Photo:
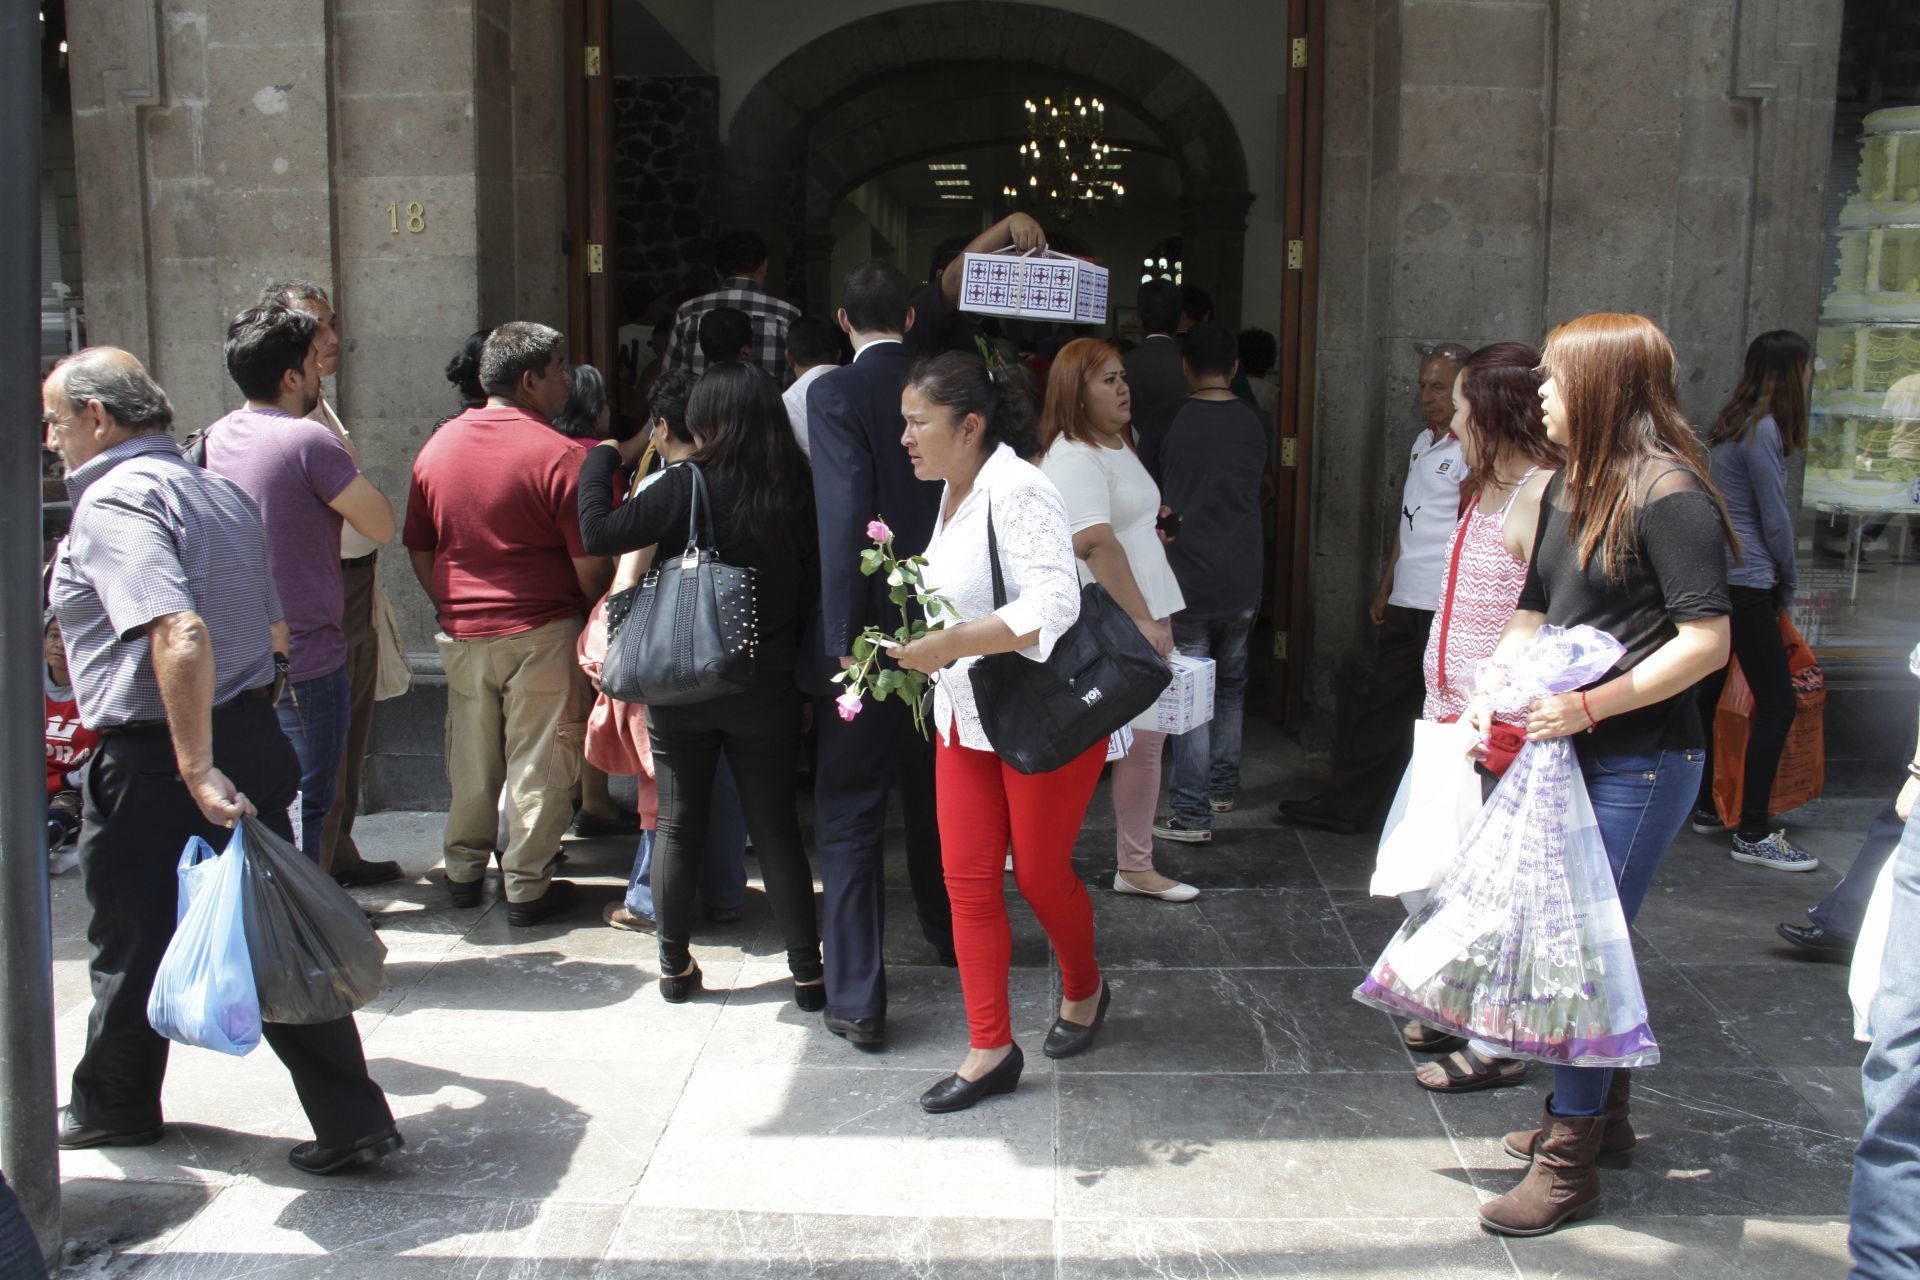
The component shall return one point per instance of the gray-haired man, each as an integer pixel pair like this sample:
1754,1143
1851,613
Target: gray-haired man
173,633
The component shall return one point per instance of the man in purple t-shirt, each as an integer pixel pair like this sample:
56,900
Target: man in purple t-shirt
305,483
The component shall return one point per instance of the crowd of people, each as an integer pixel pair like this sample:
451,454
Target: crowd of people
214,647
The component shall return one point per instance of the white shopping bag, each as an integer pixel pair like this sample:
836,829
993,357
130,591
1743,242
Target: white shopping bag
1863,980
1438,801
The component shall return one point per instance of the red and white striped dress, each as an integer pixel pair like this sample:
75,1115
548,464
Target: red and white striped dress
1476,602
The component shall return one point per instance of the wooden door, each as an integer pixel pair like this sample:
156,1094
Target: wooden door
1300,288
591,319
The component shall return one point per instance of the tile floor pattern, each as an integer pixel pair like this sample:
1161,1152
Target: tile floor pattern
1241,1116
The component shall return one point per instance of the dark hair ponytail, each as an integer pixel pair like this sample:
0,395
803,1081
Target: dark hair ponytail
962,384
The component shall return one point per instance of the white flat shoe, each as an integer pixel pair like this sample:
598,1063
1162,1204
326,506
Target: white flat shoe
1177,893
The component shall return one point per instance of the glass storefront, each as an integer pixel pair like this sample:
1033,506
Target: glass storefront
1860,557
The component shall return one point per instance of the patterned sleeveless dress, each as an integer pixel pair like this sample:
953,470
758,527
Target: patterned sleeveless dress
1476,601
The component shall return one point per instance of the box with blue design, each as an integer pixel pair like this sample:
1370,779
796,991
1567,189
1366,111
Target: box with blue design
1034,286
1186,703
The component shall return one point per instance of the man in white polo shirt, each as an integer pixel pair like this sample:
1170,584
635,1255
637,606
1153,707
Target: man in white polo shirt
1381,739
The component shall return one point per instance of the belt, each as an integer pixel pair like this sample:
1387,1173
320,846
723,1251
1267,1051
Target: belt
359,561
134,728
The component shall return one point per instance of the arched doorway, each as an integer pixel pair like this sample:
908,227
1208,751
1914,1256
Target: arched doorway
929,80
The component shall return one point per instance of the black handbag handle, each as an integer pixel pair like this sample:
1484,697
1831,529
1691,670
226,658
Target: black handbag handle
993,559
695,511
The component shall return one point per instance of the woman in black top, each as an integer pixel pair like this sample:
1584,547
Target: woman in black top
762,496
1632,540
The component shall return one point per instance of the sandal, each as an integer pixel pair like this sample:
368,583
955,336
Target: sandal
1467,1071
1421,1038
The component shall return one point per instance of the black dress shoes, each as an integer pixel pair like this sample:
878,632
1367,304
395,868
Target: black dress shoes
956,1093
466,893
867,1033
1320,815
75,1136
311,1157
1815,940
557,898
1069,1038
681,987
366,873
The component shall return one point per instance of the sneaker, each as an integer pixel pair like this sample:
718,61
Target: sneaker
1175,829
1707,822
1773,852
1220,804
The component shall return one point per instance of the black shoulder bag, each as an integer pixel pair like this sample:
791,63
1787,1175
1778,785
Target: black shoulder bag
687,632
1101,674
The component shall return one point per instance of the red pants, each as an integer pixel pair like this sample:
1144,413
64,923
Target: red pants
984,806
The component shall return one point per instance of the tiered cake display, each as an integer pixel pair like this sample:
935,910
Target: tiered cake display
1864,451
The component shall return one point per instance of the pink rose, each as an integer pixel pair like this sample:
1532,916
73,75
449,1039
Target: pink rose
848,704
878,531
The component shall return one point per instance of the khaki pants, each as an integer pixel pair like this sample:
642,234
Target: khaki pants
338,852
516,717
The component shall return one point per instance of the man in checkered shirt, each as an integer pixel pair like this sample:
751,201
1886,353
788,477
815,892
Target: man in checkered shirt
740,260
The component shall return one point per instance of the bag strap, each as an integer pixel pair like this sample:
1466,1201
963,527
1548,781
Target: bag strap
1453,579
993,560
699,505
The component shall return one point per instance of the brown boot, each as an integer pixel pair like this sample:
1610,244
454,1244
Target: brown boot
1618,1140
1561,1185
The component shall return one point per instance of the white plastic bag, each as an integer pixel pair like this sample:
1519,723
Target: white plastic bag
1523,944
203,993
1863,980
1437,804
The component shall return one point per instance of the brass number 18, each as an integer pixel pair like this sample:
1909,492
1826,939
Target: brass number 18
416,217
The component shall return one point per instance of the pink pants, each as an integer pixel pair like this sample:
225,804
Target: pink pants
1136,794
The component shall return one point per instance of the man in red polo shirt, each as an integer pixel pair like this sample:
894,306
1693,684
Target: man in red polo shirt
494,532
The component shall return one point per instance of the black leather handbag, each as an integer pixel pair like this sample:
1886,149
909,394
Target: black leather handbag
1101,674
687,632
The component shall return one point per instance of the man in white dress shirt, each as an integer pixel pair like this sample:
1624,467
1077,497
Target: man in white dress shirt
813,347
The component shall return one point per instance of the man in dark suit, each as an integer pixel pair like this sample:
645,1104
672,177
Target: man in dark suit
861,472
1154,374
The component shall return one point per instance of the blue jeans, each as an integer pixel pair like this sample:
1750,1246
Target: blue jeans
723,862
1206,760
314,715
1640,803
1885,1208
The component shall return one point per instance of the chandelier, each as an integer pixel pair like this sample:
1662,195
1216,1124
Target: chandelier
1066,164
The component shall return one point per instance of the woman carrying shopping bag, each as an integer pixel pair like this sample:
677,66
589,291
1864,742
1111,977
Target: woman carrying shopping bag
1751,440
1631,541
1497,418
968,428
1112,508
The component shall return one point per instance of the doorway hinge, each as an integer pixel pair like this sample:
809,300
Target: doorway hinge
1299,55
593,59
1296,255
596,259
1290,451
1279,646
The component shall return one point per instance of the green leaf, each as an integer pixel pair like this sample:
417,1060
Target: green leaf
898,595
862,649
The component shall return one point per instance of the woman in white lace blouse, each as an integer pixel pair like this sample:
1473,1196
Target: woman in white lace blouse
969,429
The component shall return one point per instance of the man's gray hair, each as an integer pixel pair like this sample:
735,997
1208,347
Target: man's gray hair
515,348
1455,353
291,293
125,390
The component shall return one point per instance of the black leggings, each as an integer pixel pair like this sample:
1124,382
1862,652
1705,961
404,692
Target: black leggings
760,732
1763,660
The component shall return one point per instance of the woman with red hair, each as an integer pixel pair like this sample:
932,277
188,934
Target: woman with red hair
1632,541
1112,508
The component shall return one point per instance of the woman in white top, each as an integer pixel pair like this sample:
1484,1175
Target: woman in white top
1112,508
967,428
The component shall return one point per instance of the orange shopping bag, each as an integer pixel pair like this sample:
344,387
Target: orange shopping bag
1803,762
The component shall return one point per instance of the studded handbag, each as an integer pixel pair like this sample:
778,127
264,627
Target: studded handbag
687,632
1102,673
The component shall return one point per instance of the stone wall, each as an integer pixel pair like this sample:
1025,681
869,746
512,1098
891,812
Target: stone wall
666,160
1496,167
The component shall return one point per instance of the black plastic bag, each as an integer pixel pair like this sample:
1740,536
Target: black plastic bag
315,957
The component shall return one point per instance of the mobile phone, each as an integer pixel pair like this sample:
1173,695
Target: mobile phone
1169,524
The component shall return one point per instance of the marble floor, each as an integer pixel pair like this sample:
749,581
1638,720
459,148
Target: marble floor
1241,1115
